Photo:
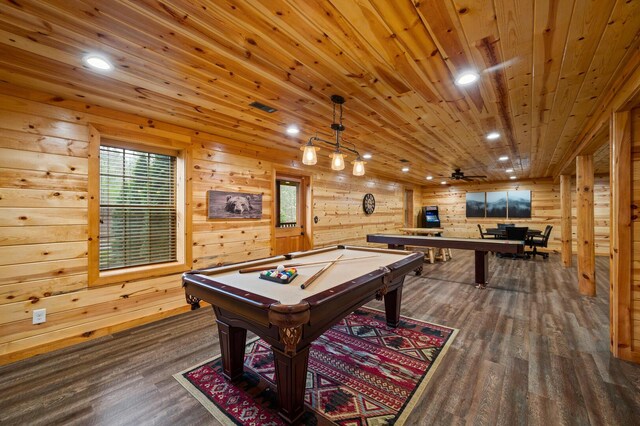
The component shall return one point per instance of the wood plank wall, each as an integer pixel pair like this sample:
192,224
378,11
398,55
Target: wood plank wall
545,209
337,201
635,229
43,220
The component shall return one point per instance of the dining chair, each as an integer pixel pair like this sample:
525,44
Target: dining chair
518,233
482,233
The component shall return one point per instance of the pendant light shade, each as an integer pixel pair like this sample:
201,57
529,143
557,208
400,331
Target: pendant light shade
358,167
309,156
337,161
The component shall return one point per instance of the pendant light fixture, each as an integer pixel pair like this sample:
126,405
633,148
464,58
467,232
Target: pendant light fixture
309,154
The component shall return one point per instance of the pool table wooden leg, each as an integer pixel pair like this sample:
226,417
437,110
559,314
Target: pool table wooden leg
232,344
291,378
392,301
482,268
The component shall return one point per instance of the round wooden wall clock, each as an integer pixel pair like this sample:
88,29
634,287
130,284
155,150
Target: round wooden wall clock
369,203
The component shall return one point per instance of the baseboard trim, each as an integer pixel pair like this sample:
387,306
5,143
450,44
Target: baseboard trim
83,337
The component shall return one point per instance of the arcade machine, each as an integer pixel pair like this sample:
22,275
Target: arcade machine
431,218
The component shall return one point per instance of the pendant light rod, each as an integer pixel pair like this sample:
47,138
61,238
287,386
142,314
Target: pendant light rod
334,144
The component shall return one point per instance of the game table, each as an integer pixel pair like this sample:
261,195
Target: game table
482,247
290,318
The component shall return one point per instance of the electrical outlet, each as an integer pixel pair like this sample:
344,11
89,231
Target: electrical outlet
39,316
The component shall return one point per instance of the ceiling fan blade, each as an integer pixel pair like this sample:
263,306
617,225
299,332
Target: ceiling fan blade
477,177
467,178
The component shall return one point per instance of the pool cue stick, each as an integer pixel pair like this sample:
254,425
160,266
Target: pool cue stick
294,265
315,276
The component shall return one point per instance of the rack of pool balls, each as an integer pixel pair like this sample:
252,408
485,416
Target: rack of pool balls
280,275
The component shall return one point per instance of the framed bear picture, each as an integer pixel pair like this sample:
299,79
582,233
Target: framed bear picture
233,205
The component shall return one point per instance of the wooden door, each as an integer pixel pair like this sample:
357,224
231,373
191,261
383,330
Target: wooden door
408,208
292,212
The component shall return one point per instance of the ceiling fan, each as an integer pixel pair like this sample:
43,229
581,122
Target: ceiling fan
459,175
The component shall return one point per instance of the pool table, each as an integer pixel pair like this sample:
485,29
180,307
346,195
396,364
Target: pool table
288,317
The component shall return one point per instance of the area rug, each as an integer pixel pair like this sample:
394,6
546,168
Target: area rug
361,372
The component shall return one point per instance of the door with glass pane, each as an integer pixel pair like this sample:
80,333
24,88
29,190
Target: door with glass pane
290,213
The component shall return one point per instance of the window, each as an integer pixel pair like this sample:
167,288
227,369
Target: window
287,202
139,209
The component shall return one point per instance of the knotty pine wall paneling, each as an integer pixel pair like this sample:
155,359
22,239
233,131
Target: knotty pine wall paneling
43,237
43,219
545,209
337,201
635,230
228,241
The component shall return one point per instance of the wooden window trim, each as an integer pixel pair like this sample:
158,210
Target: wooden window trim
182,151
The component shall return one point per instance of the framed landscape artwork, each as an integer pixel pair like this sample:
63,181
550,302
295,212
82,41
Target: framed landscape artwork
475,204
497,204
519,204
233,205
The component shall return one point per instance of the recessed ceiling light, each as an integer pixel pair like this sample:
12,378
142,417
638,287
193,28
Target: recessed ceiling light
429,177
405,169
367,156
493,135
444,182
98,63
466,78
509,170
293,130
503,158
512,177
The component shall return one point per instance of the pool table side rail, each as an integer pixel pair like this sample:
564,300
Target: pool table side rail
397,269
327,308
239,265
191,282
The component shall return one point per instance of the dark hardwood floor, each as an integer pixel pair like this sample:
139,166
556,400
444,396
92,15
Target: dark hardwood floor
530,350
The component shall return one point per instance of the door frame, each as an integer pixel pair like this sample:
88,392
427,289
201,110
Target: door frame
306,195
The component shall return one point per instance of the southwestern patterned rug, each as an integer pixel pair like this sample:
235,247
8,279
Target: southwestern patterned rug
361,372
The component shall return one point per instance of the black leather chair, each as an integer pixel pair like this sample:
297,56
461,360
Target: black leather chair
540,241
518,233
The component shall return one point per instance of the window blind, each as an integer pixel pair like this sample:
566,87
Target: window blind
137,208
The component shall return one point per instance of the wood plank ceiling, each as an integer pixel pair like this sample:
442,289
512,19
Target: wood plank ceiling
200,63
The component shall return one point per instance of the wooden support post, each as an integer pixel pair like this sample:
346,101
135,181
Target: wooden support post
585,234
565,223
621,234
